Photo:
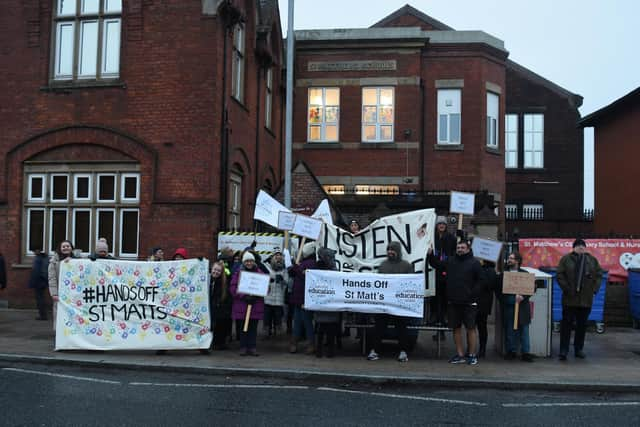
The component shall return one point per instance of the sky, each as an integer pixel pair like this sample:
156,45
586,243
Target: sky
589,47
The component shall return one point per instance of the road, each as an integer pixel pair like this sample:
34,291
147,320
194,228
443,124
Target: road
45,395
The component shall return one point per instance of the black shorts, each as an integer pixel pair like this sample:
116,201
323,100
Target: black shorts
462,314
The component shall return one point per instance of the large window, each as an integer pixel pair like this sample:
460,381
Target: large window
237,76
86,39
533,140
235,201
449,116
268,102
493,123
377,114
324,114
511,141
82,206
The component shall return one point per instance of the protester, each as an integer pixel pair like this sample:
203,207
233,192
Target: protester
485,304
180,253
354,226
444,247
302,319
520,335
579,276
220,306
64,251
327,322
102,250
157,254
274,300
465,281
39,281
241,302
394,264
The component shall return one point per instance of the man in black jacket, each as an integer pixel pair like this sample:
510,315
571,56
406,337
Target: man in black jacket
465,282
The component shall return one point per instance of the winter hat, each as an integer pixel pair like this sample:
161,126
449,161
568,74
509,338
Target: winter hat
308,249
579,242
276,250
248,256
441,220
101,245
395,246
182,252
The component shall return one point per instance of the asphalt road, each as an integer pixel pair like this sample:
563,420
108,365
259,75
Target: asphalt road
41,395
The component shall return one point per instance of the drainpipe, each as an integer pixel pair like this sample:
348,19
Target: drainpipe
421,148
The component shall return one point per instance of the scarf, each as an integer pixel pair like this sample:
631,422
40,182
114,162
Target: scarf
580,271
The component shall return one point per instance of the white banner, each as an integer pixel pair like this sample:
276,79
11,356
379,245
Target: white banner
126,305
238,241
323,212
396,294
267,209
364,251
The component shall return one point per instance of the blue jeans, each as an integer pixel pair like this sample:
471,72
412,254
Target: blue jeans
519,336
302,320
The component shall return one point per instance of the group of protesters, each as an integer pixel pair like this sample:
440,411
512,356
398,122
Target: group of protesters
465,290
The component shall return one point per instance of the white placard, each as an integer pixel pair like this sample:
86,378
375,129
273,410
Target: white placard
253,283
307,227
286,220
488,250
462,203
396,294
323,213
267,209
238,241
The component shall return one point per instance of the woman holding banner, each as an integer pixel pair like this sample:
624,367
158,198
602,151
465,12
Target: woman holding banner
241,303
64,251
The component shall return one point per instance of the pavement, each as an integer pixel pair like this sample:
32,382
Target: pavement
612,363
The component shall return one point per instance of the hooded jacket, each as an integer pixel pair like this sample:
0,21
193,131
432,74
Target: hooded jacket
396,265
465,278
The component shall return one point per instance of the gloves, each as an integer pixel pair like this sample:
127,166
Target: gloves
460,234
250,299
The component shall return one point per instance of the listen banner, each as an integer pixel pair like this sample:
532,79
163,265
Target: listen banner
396,294
127,305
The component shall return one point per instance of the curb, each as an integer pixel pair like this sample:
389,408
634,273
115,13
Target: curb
300,375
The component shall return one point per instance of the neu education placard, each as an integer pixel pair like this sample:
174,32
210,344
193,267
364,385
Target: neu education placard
125,305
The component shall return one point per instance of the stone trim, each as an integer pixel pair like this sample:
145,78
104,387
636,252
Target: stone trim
449,83
492,87
365,81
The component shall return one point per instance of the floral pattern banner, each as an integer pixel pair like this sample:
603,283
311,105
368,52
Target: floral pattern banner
126,305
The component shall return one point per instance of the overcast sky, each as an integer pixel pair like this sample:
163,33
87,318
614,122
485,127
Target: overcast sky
589,47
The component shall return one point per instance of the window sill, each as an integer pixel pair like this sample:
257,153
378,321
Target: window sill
68,85
492,150
312,145
270,132
448,147
378,145
525,170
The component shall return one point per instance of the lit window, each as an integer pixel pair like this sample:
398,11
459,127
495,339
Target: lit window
268,98
449,116
511,141
87,39
324,114
533,212
377,114
333,189
533,140
377,189
493,125
237,74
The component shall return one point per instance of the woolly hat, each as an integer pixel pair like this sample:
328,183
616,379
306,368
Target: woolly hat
579,242
276,250
101,245
182,252
308,249
248,256
441,220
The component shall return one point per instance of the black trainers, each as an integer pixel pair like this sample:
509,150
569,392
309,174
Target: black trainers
562,357
527,357
580,354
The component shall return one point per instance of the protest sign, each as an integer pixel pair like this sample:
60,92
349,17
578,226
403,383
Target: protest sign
396,294
126,305
253,283
365,251
518,283
307,227
462,203
286,220
267,209
486,249
238,241
323,212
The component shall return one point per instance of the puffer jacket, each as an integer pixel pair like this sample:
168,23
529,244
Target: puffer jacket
592,279
465,278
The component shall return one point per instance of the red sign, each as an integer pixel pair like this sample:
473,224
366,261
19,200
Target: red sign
615,255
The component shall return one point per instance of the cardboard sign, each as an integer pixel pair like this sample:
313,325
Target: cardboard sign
307,227
253,283
462,203
286,220
517,283
488,250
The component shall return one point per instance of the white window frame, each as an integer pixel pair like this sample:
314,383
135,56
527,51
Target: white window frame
107,36
97,227
75,187
51,178
449,104
115,188
53,245
43,189
235,199
530,133
511,142
322,124
73,227
238,62
528,208
124,199
120,237
511,207
268,98
44,229
493,120
378,124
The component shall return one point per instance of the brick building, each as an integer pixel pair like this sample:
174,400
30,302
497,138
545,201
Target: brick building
617,143
146,122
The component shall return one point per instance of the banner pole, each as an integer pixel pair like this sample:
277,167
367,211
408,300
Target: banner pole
459,225
286,240
299,254
247,317
515,316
